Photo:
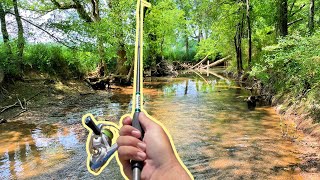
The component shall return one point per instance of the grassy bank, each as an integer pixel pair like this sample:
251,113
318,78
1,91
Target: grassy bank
290,71
52,59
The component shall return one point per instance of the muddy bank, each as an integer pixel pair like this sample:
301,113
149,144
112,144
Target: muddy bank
302,112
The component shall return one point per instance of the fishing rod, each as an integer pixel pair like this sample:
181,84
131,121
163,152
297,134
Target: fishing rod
99,146
138,82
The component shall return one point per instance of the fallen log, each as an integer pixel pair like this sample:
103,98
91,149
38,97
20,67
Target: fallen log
103,83
99,83
217,62
204,59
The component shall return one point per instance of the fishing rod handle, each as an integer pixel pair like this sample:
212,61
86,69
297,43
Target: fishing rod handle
89,122
137,165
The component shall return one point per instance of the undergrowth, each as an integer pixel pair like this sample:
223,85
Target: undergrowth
292,68
49,58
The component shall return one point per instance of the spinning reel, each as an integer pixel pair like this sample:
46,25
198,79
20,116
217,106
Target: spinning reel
99,143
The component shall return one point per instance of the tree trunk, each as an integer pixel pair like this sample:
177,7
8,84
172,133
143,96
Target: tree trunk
187,40
199,35
102,54
283,18
187,47
122,58
129,76
5,34
217,62
311,17
238,43
199,63
21,40
249,35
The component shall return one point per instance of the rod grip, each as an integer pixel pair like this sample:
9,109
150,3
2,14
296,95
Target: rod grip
137,165
136,124
89,122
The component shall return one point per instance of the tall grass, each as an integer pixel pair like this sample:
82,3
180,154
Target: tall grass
50,58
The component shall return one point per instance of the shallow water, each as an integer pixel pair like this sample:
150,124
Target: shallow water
215,134
28,150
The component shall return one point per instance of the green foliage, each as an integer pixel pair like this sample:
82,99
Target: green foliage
8,63
178,52
292,66
60,61
162,24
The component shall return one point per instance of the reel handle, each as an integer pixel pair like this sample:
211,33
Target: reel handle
89,122
137,165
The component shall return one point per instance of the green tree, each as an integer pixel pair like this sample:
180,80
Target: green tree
92,16
4,30
162,24
21,40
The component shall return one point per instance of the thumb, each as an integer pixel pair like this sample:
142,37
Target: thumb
145,121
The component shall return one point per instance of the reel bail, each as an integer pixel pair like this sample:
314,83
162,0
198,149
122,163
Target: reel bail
100,146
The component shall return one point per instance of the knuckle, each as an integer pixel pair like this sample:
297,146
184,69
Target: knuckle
120,140
120,151
123,130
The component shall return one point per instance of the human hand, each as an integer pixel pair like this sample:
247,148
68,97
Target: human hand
154,150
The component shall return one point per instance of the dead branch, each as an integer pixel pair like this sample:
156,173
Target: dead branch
18,103
18,114
204,59
217,62
213,73
5,90
34,96
9,107
295,21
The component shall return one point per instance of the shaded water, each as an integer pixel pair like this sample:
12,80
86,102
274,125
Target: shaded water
214,133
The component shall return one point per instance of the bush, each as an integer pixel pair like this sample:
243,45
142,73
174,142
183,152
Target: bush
291,67
9,63
60,61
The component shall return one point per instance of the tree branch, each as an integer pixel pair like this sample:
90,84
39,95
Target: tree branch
291,7
37,26
77,6
301,7
295,21
64,6
95,9
82,12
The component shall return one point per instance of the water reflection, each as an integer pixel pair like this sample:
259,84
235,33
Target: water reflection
216,136
28,150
